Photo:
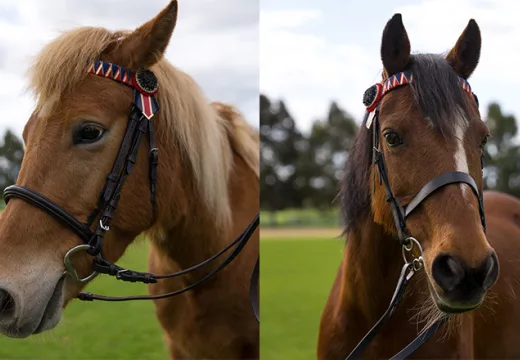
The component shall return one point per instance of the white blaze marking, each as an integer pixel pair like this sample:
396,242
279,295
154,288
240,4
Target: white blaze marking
461,160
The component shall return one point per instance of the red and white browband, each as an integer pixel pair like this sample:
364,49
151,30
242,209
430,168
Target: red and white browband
143,81
374,94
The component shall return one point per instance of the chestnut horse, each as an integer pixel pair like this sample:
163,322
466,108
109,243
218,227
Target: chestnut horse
422,123
207,190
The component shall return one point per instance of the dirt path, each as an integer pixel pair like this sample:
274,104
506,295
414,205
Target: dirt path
299,233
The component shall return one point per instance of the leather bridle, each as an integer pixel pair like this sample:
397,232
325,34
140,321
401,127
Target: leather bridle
413,264
145,106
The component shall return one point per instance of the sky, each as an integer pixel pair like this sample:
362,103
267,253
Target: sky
314,52
215,41
305,52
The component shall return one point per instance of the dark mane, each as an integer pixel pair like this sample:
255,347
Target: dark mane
437,92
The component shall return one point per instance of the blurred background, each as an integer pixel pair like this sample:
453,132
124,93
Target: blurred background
316,61
216,42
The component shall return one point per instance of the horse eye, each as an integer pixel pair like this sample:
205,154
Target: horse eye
88,134
393,139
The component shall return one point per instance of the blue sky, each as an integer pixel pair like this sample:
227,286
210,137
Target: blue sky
215,41
329,50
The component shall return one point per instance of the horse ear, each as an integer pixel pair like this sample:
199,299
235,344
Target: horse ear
395,46
146,45
465,54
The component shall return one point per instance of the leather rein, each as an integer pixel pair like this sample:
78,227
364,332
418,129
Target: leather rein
145,106
412,263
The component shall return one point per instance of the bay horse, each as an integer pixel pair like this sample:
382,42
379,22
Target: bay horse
111,110
413,188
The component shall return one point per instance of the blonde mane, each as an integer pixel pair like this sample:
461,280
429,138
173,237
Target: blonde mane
186,115
245,141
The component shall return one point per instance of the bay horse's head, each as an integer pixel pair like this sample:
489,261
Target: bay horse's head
417,164
89,89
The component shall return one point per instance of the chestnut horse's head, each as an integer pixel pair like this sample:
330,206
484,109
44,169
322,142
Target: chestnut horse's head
428,124
72,140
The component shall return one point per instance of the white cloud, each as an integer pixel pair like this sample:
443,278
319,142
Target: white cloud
308,69
215,41
435,25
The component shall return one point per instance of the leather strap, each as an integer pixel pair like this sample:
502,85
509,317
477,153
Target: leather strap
104,266
402,283
50,207
239,243
253,290
438,182
420,340
443,180
111,195
154,162
379,159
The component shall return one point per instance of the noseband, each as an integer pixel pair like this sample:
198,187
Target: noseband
413,264
145,106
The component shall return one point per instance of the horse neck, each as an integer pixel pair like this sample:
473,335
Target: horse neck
371,267
189,233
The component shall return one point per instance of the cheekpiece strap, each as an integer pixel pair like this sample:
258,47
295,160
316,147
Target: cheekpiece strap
143,81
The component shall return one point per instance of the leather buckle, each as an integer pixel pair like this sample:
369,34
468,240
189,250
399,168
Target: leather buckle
154,156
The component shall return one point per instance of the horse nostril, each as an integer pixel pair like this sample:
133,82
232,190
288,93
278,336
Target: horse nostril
490,269
7,306
448,271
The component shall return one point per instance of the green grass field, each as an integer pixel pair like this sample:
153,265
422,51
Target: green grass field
301,218
99,330
295,280
296,276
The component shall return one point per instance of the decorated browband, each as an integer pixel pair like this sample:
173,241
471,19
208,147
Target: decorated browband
375,93
143,81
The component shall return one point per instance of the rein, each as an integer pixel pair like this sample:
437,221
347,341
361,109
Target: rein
412,263
145,106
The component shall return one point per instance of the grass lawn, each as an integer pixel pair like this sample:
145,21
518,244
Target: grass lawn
306,217
295,280
296,276
99,330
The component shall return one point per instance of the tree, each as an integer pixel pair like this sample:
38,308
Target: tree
11,155
281,145
302,170
329,142
502,154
